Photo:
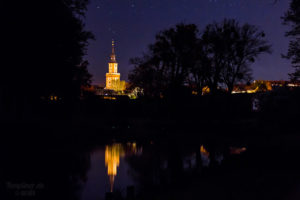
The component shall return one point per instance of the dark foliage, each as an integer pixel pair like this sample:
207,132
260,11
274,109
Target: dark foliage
292,18
44,45
231,49
181,60
164,70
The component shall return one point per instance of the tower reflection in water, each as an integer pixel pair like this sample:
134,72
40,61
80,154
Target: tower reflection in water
113,153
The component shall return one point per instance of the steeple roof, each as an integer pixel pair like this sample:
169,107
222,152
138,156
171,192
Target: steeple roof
113,55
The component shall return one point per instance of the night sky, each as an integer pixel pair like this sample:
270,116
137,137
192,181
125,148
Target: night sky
134,23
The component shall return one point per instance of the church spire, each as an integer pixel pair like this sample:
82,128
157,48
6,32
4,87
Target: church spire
113,55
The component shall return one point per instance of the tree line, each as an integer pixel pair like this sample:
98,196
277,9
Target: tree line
183,57
220,56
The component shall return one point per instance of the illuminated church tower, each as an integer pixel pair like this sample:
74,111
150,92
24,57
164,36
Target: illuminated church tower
112,77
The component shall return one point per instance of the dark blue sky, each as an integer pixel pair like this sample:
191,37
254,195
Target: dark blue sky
134,23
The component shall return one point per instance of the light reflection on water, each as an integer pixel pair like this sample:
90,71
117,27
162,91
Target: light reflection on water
111,173
109,170
112,161
204,156
113,154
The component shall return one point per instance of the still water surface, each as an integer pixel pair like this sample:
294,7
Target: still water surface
169,169
109,170
113,170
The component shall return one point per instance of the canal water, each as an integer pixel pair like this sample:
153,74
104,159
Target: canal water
121,169
154,169
110,172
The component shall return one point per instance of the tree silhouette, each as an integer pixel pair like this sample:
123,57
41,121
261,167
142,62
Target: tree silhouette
45,42
147,75
231,49
178,58
200,72
292,17
167,65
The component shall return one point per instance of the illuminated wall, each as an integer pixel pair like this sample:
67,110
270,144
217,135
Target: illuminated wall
113,77
111,80
112,68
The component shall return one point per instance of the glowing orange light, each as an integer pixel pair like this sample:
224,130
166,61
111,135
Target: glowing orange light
204,151
236,150
113,153
112,161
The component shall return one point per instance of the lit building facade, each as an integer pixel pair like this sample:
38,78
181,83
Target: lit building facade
113,77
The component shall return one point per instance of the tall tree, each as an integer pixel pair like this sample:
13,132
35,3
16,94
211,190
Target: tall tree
148,75
200,72
169,59
292,18
215,49
231,49
45,43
